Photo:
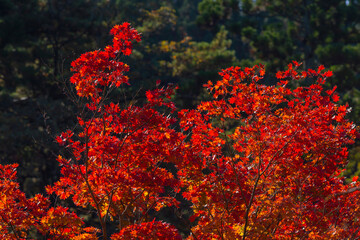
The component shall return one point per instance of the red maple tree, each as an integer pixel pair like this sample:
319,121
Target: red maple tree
256,162
275,175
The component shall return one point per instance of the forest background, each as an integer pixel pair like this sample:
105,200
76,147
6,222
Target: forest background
183,42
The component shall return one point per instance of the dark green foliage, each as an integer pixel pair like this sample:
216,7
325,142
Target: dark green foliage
210,12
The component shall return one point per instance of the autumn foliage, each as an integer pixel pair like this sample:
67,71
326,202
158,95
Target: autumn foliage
255,162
